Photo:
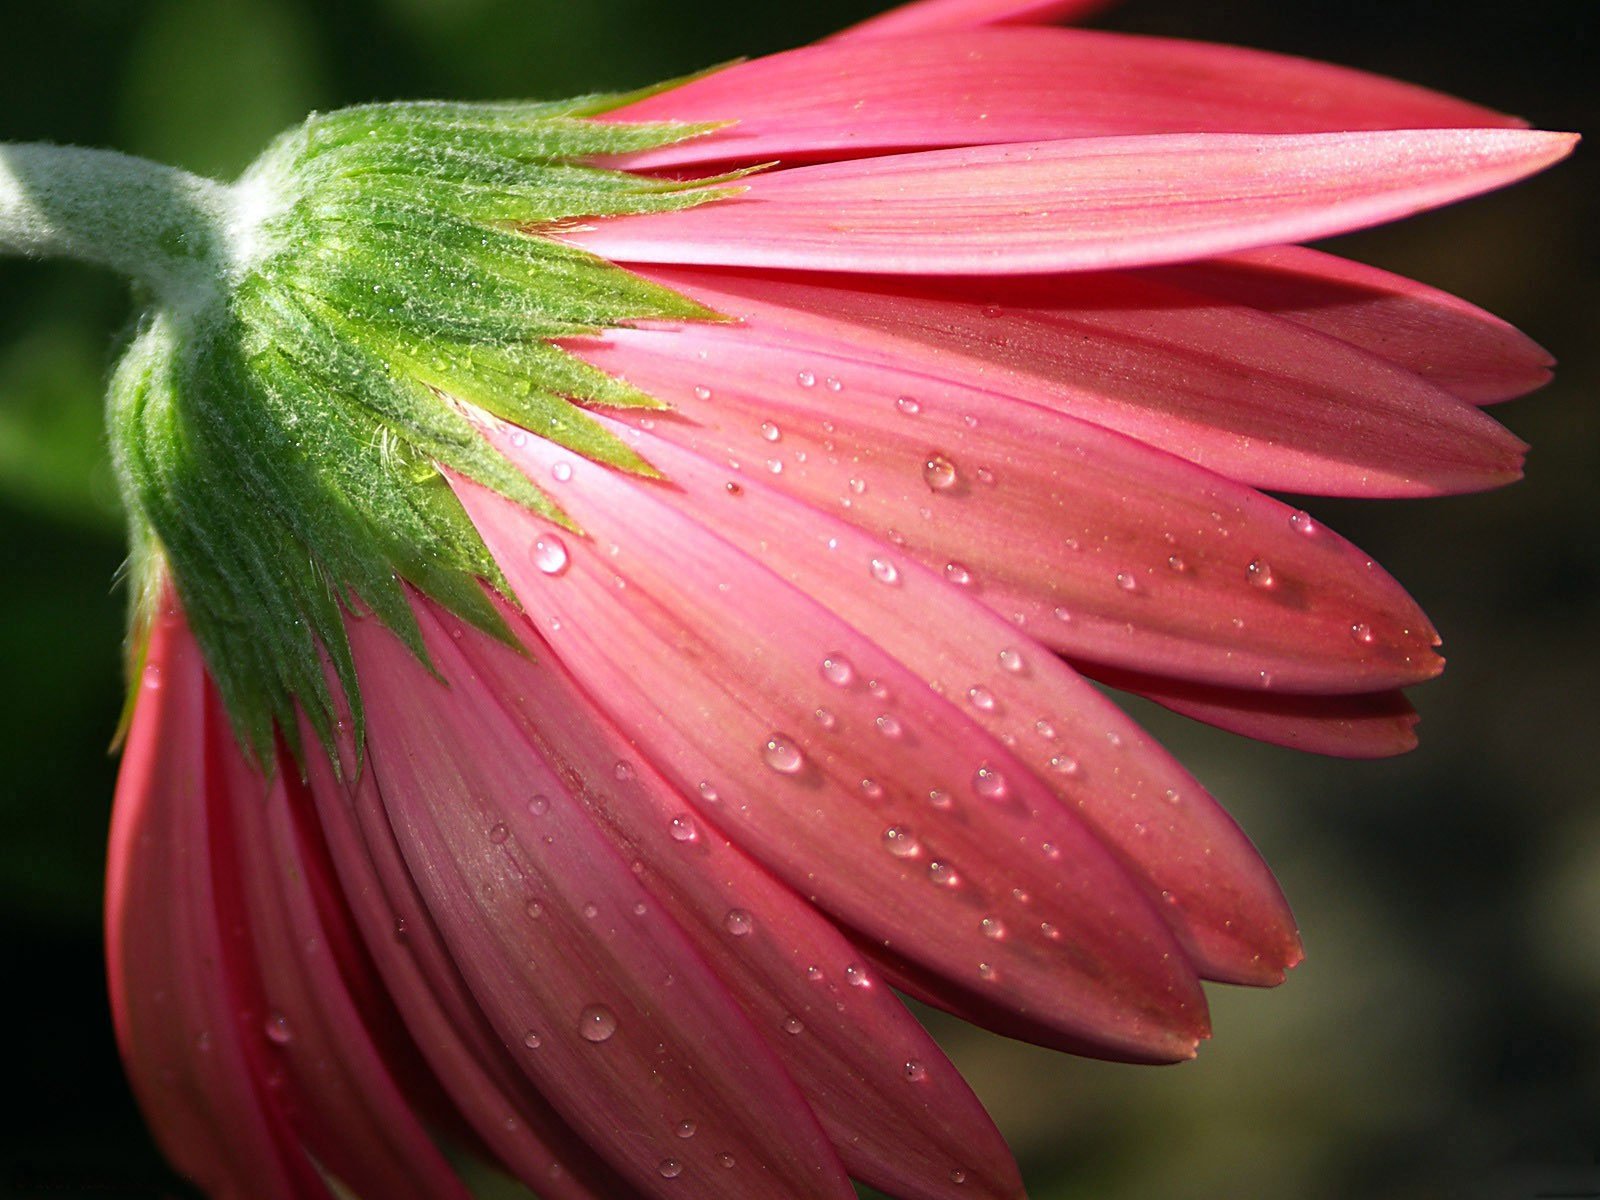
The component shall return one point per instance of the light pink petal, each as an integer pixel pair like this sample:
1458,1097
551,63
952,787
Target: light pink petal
176,949
612,1013
1082,204
898,1113
1364,725
974,87
925,15
496,1100
1108,550
1249,395
1452,344
653,605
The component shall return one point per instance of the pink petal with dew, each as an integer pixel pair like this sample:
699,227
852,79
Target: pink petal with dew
623,1026
1363,725
976,87
1450,343
329,1077
655,605
1208,882
1107,549
1260,399
899,1115
928,15
174,944
513,1122
1076,205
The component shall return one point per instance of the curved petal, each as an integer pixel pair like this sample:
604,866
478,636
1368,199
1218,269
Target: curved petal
653,605
1450,343
898,1113
923,15
977,87
1078,205
623,1026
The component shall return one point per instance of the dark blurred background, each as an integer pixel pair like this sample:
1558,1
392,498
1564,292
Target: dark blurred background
1443,1039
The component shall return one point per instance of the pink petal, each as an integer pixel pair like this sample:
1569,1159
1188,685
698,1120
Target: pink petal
927,15
1082,204
1108,550
1452,344
677,612
972,87
620,1022
898,1113
1364,725
173,941
1258,398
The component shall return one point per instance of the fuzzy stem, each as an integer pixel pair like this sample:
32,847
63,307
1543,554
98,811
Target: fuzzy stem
165,228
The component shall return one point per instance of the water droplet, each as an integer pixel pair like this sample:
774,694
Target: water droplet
871,789
900,842
775,465
597,1023
1175,561
989,783
986,970
993,928
889,725
532,1040
562,471
793,1025
1113,739
685,1129
708,793
591,911
836,669
1300,521
943,874
1362,632
639,909
833,385
733,488
534,909
992,310
738,922
908,405
858,486
498,835
825,718
1065,764
939,798
726,1160
806,379
670,1168
885,571
1259,572
986,476
702,392
1063,614
623,770
957,574
915,1071
1044,729
856,976
550,554
958,1176
539,805
770,431
1050,931
878,689
682,829
782,755
1126,581
814,973
278,1031
939,472
981,698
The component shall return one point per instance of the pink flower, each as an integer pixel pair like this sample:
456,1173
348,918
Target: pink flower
1014,342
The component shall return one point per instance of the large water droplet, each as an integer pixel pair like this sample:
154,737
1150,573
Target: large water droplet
889,725
278,1030
597,1023
992,927
770,431
908,405
806,379
498,835
1010,660
915,1071
738,922
793,1025
900,841
981,698
782,755
1259,573
562,471
939,472
1300,521
989,783
682,829
532,1040
885,571
550,554
836,669
685,1129
943,874
957,573
670,1168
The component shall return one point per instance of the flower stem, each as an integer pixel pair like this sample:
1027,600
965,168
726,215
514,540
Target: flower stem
166,229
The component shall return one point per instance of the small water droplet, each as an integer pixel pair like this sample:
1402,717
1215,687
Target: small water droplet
957,574
871,789
534,909
498,835
1065,764
726,1161
623,770
1362,632
1300,521
992,927
900,842
782,755
682,829
889,725
775,465
597,1023
770,431
885,571
858,486
915,1071
1010,660
1050,931
532,1040
562,471
1175,561
708,793
806,379
939,798
943,874
550,554
992,310
1259,573
1044,729
837,670
908,405
278,1031
985,476
833,385
670,1168
591,911
958,1176
685,1129
986,970
825,718
814,973
539,805
793,1025
939,472
856,976
1126,581
981,698
738,922
989,783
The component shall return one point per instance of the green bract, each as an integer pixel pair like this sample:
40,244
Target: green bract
279,436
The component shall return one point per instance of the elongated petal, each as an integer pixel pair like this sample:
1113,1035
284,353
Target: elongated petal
1257,398
898,1113
1107,549
173,932
677,612
1452,344
969,14
1084,204
621,1023
975,87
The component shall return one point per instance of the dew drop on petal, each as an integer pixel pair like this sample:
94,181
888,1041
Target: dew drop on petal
498,835
958,1176
770,431
682,829
1044,729
885,571
992,927
1259,573
562,471
532,1040
986,970
825,718
1362,632
738,922
981,698
1126,581
856,976
1300,521
702,392
1176,563
670,1168
793,1025
806,379
539,805
833,385
989,783
957,573
1065,764
939,798
915,1071
900,841
939,472
1010,660
708,792
725,1160
871,789
597,1023
943,874
837,670
278,1031
623,771
889,725
685,1129
782,755
908,405
550,554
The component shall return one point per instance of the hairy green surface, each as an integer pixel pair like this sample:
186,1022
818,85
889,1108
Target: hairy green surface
280,447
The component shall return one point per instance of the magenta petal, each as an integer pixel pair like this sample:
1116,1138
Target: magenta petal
1083,204
1450,343
654,605
898,1113
173,932
974,87
618,1019
924,15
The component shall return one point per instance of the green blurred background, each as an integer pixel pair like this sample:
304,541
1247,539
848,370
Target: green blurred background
1444,1037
